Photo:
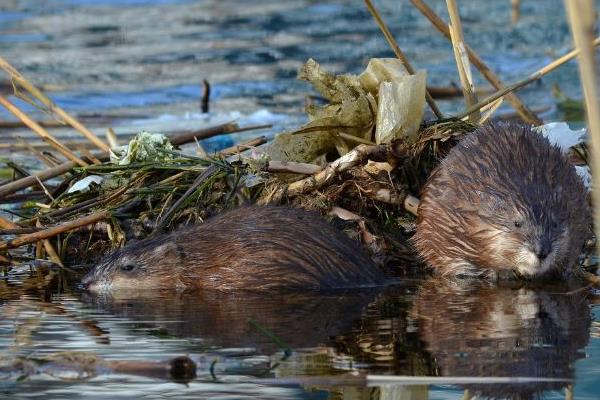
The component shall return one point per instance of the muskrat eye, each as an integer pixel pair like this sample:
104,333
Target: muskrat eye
518,224
127,267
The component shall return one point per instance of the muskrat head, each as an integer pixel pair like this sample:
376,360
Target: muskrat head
529,237
148,264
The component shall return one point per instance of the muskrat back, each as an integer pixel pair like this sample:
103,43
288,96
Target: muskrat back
252,248
504,199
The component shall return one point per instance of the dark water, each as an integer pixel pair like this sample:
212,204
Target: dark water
139,63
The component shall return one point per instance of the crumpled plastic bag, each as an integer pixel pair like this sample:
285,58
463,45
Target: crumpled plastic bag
145,147
400,99
384,96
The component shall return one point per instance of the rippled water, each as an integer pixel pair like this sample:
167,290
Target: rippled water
139,64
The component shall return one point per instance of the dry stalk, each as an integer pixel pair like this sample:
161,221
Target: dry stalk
462,59
582,15
235,149
56,110
55,230
39,155
531,78
41,131
54,257
293,167
437,22
399,54
344,163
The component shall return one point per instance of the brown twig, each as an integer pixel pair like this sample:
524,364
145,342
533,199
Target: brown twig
344,163
229,151
55,230
293,167
398,52
437,22
205,101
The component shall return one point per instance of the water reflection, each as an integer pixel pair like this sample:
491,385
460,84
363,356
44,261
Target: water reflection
266,322
476,329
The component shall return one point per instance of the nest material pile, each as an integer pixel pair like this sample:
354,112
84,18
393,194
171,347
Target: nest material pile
342,163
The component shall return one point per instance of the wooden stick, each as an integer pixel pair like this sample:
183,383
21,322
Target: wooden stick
41,131
342,164
462,60
531,78
243,146
293,167
62,114
6,224
582,15
55,230
514,100
23,183
400,55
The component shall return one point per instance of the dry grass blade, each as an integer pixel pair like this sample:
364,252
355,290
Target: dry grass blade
56,110
438,23
34,126
401,56
582,15
462,60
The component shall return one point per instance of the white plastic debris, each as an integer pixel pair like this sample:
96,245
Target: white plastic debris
560,134
400,107
83,185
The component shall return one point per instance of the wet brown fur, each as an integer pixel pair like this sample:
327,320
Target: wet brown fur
251,248
494,176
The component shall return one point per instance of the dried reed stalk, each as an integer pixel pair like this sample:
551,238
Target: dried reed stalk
514,100
582,15
531,78
55,230
50,105
399,54
462,59
41,131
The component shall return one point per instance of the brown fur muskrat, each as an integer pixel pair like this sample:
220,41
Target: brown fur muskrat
504,199
252,248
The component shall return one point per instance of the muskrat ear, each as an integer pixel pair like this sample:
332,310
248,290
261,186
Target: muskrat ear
169,251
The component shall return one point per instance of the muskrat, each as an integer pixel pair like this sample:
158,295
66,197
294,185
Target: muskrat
252,248
503,200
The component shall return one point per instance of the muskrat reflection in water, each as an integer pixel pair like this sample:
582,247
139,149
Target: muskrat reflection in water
263,321
503,200
474,328
250,248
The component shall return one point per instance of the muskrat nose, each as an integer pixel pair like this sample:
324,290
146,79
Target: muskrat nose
87,280
543,249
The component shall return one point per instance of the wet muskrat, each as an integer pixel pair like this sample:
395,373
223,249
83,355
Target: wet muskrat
504,199
252,248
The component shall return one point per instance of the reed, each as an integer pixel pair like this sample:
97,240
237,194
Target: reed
582,15
478,62
462,60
